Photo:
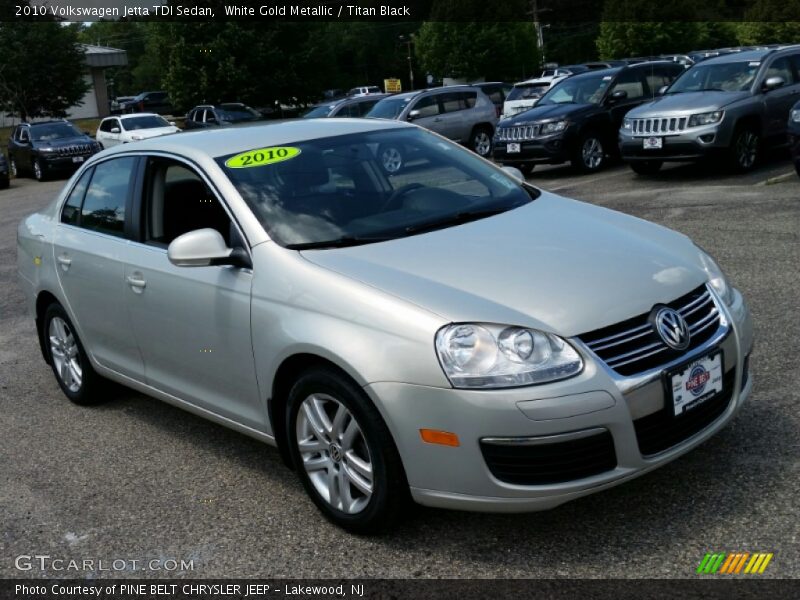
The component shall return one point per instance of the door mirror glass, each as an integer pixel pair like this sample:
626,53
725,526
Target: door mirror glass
115,130
200,248
773,83
414,114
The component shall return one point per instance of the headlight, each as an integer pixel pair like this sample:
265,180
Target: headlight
796,115
46,149
496,356
705,118
716,278
627,124
552,127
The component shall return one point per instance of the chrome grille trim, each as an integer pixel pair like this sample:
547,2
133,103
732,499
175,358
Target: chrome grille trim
517,133
644,127
636,349
74,150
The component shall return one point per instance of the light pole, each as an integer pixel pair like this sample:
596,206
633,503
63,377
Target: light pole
408,40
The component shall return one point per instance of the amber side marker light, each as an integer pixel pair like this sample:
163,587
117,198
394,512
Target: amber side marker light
443,438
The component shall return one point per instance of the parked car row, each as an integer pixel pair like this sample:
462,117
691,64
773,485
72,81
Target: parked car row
732,106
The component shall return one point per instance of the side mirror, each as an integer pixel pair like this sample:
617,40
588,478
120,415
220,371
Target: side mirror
662,90
773,83
514,172
204,248
414,114
617,96
172,123
115,130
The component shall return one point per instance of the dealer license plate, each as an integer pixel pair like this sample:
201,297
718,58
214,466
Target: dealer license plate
77,159
692,384
512,148
653,143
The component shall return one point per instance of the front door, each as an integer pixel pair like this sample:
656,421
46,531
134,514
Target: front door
779,101
192,324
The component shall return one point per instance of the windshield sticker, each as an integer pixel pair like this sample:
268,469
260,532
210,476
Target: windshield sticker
262,157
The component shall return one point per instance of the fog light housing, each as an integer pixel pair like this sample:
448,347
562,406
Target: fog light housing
707,138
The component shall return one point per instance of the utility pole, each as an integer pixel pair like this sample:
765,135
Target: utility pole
535,11
408,41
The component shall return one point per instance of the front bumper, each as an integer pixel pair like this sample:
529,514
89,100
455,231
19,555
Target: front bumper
53,162
689,145
552,149
459,477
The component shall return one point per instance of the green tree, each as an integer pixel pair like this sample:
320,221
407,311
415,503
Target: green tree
473,50
770,22
644,27
42,68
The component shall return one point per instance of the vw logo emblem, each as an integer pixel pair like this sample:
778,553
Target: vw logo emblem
671,328
335,452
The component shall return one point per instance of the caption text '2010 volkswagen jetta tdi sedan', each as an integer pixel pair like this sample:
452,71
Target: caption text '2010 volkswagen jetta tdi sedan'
443,332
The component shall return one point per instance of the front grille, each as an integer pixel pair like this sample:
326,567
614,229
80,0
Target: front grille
517,133
543,464
661,431
74,150
633,346
659,125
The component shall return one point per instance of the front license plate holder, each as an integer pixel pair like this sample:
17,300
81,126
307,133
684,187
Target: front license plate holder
688,386
77,159
653,143
513,148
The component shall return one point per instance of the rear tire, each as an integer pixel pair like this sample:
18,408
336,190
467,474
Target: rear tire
74,373
480,142
745,149
589,154
646,167
343,453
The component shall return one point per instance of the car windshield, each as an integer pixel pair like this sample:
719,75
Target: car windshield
389,108
236,112
723,77
319,111
581,89
344,190
147,122
54,131
526,91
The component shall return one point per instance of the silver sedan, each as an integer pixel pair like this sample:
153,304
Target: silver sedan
444,333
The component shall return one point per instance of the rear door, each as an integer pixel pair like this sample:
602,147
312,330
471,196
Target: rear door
90,251
192,324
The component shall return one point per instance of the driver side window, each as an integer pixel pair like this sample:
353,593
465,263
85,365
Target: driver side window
177,201
631,82
427,107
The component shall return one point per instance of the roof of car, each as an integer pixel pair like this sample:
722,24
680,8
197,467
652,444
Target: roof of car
131,116
731,57
229,140
50,122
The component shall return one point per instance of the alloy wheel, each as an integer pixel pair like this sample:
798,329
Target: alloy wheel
747,149
37,170
392,160
334,453
592,153
65,355
13,167
483,143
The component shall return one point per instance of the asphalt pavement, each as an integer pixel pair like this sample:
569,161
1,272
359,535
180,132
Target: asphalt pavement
138,480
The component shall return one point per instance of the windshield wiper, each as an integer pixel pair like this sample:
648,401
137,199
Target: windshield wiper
456,219
342,242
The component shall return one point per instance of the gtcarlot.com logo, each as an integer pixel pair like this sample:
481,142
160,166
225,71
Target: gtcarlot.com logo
734,563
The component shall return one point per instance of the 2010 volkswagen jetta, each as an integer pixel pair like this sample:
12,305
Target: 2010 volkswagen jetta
445,332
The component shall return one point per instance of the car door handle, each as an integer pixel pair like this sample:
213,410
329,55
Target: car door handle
136,282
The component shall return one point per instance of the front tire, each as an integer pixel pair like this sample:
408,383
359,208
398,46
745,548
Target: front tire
344,454
73,371
745,149
589,155
38,170
480,141
646,167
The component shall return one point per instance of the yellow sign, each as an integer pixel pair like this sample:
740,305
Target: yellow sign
392,86
261,157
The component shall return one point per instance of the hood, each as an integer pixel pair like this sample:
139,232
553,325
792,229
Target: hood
555,264
548,112
155,131
686,103
61,142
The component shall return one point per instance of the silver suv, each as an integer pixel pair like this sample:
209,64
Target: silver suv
730,105
462,113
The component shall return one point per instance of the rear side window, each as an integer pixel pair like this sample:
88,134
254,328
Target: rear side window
104,203
365,107
72,207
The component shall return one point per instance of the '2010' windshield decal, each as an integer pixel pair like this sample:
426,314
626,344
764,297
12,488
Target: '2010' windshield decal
262,157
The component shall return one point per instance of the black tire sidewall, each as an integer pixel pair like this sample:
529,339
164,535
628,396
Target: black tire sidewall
734,154
389,487
91,391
